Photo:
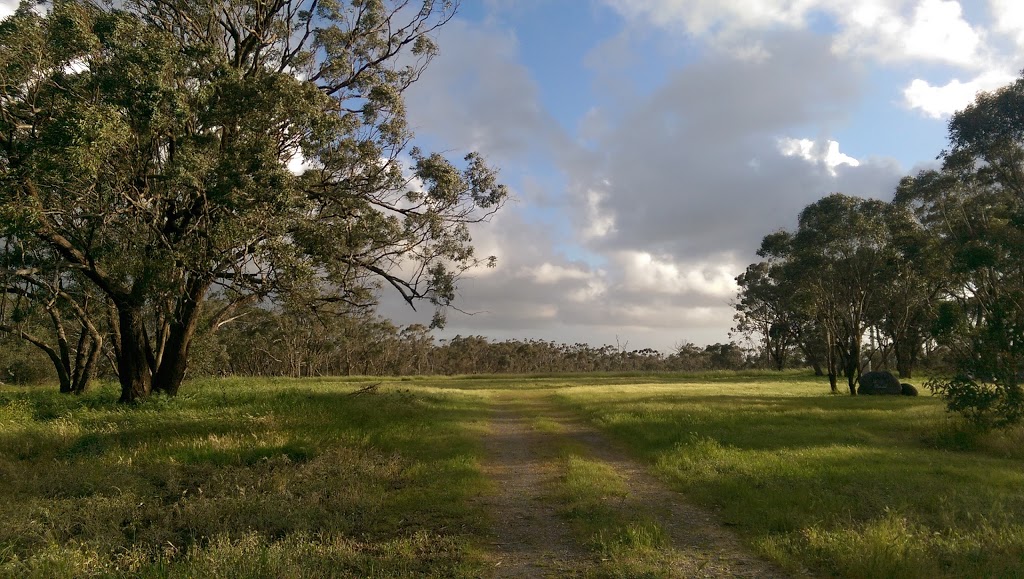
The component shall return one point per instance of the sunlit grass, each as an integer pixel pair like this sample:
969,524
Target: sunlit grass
253,478
282,477
857,487
594,498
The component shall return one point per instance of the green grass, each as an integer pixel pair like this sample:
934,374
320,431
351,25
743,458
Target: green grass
855,487
281,478
241,478
595,501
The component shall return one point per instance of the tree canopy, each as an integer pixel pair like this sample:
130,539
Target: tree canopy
149,154
943,263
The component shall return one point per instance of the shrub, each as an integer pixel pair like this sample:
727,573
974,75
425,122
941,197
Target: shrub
987,404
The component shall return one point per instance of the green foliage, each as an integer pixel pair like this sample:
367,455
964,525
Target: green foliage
22,364
973,208
986,404
852,266
146,155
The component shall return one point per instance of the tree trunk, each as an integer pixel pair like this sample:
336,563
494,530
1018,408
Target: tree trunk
830,358
84,373
906,356
853,365
174,362
816,366
62,375
133,368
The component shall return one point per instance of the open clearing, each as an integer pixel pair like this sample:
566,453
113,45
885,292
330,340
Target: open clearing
590,475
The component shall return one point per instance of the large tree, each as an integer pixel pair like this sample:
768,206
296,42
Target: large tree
974,209
834,264
151,148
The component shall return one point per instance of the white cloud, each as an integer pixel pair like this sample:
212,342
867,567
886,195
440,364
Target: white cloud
547,273
599,222
935,31
941,101
939,31
594,289
1008,18
701,17
646,273
825,153
886,30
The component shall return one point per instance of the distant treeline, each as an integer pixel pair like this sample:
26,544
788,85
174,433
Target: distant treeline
282,343
263,342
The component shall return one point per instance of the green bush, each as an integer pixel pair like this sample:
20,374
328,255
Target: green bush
986,404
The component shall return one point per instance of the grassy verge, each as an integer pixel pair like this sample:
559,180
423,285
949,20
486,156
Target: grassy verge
270,478
855,487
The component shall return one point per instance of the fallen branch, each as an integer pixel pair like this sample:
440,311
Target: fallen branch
371,389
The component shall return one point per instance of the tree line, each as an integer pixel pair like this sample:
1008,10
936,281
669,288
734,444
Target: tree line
297,342
938,271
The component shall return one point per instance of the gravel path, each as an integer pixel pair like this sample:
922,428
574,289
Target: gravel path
532,540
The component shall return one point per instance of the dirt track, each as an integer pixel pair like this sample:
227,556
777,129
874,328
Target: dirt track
532,540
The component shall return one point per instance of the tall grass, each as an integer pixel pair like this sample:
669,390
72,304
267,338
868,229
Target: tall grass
250,478
855,487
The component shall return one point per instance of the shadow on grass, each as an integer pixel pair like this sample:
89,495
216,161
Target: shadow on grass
804,478
377,481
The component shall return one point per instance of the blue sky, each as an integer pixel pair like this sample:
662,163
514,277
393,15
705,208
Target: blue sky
651,144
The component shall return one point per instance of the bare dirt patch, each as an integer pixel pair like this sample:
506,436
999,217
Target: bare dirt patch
533,540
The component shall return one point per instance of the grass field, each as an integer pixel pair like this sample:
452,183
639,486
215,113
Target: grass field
258,478
233,478
853,487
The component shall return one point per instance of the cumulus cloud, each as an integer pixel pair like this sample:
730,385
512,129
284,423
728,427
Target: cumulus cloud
1008,18
825,153
702,17
478,96
696,168
923,30
644,273
933,31
942,101
658,204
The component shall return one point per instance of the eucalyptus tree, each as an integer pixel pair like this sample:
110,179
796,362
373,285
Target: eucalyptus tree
918,278
764,307
49,308
152,147
974,208
834,264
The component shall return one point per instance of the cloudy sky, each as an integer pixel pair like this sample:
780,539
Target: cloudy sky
651,144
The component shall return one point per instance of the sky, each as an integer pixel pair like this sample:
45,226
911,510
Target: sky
650,145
